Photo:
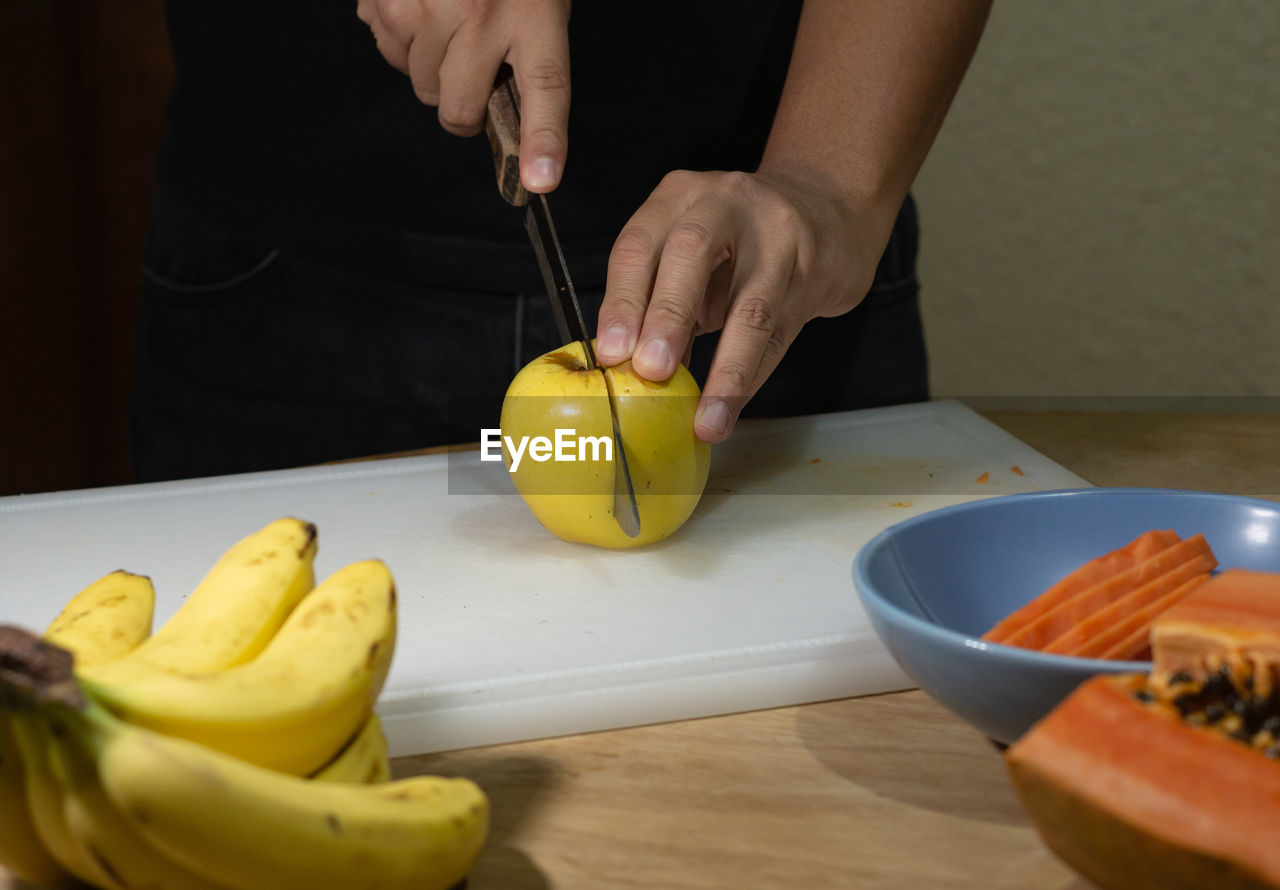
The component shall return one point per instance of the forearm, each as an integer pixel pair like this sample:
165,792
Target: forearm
869,85
758,256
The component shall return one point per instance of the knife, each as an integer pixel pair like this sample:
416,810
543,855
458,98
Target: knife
503,128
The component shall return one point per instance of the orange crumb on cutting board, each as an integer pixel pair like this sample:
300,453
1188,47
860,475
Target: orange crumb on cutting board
984,478
816,460
1018,470
901,504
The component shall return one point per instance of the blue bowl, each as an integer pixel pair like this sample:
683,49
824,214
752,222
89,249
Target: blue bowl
933,584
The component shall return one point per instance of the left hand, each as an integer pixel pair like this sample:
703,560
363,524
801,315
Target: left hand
754,254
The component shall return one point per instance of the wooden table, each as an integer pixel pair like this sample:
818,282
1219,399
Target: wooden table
886,791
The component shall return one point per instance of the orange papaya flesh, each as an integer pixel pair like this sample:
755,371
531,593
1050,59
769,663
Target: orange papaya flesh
1125,637
1094,572
1231,623
1096,611
1171,786
1073,622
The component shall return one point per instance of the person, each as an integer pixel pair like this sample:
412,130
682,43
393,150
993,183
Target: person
332,273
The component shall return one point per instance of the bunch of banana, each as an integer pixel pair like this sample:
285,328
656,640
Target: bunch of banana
296,703
235,748
104,621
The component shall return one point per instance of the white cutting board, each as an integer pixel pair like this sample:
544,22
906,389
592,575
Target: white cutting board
507,633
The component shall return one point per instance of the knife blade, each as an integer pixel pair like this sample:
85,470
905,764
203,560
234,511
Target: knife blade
555,275
503,128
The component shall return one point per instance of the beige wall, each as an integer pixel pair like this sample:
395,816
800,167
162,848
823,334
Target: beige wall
1101,213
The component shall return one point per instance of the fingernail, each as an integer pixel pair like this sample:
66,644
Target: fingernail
614,343
713,417
654,358
542,173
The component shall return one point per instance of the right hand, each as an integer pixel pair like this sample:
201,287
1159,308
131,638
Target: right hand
452,49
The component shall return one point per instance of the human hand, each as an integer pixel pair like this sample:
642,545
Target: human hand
753,255
452,49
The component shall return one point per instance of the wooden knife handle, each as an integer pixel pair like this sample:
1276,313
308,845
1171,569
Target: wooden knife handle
503,126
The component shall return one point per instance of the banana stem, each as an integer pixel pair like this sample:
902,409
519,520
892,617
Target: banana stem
35,670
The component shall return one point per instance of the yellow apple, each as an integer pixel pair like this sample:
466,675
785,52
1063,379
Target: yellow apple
565,479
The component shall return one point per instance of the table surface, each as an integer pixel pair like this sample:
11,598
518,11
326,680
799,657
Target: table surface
885,791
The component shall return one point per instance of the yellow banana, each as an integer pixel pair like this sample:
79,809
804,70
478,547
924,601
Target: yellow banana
22,850
253,829
106,620
44,800
363,761
236,609
96,827
298,702
102,622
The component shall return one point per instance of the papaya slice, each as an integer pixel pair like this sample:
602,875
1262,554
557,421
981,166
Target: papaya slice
1231,621
1140,793
1093,572
1103,610
1129,638
1163,571
1170,780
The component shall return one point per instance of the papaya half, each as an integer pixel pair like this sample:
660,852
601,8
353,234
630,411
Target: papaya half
1170,780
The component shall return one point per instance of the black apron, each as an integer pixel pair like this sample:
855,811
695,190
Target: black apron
330,274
